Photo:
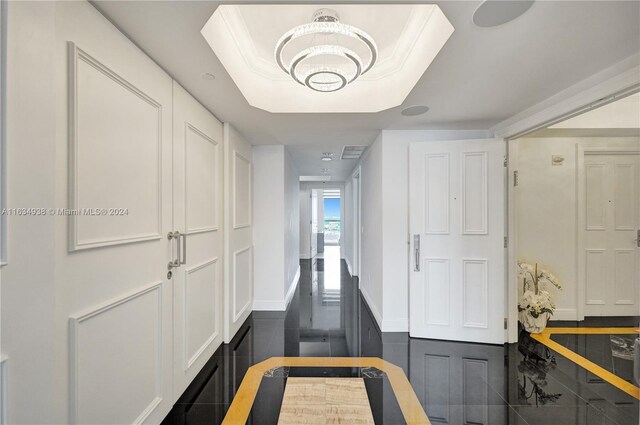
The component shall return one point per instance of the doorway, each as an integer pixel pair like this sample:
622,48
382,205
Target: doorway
575,191
332,223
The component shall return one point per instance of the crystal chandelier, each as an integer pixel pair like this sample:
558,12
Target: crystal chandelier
325,55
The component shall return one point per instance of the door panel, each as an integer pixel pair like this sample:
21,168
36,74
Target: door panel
457,212
611,211
114,298
238,231
197,282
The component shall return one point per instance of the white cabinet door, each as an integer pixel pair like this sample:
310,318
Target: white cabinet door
113,294
457,234
238,231
198,280
611,211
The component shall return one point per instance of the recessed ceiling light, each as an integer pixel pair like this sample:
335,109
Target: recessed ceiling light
414,110
208,76
492,13
326,158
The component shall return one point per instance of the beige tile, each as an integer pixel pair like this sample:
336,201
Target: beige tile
304,391
349,391
348,415
300,414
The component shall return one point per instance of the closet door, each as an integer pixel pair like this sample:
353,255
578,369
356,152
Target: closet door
198,273
113,309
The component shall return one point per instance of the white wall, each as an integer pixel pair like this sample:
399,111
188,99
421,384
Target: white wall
291,222
346,237
238,226
28,287
276,227
546,210
385,211
305,228
372,203
268,228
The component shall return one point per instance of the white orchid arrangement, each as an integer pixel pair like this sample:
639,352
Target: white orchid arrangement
536,299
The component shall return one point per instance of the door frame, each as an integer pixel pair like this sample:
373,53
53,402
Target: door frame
581,152
540,116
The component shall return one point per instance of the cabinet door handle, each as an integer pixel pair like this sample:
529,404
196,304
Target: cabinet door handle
183,258
176,262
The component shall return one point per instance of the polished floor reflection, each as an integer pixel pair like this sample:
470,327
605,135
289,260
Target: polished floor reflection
456,383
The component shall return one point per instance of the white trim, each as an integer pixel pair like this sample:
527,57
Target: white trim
372,307
395,325
216,225
189,361
346,260
292,288
75,54
74,323
234,195
3,389
238,314
512,242
614,82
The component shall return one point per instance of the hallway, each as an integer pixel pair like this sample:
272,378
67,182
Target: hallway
327,317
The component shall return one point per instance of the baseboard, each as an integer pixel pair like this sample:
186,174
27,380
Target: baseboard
395,325
565,314
271,305
346,260
372,307
292,288
278,305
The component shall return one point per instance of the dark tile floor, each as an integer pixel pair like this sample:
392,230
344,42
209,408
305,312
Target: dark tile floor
456,383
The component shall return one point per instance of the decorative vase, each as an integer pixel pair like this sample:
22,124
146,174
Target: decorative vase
531,324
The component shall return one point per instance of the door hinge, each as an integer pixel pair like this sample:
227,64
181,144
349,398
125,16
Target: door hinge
506,242
506,323
506,161
515,178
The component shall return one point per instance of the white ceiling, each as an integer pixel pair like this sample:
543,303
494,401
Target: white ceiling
481,77
409,37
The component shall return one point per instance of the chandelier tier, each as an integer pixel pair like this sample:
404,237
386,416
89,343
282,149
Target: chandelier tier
325,55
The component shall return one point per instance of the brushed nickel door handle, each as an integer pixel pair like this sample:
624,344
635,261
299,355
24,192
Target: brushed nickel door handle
175,262
183,257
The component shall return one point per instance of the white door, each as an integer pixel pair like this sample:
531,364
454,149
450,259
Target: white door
611,222
198,277
314,223
457,233
114,296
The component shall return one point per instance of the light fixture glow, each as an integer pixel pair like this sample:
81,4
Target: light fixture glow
325,75
326,158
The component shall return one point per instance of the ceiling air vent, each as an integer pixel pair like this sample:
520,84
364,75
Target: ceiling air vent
352,151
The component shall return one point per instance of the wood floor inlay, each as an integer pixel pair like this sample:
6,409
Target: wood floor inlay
325,401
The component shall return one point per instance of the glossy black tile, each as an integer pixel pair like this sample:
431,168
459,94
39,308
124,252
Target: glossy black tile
456,383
